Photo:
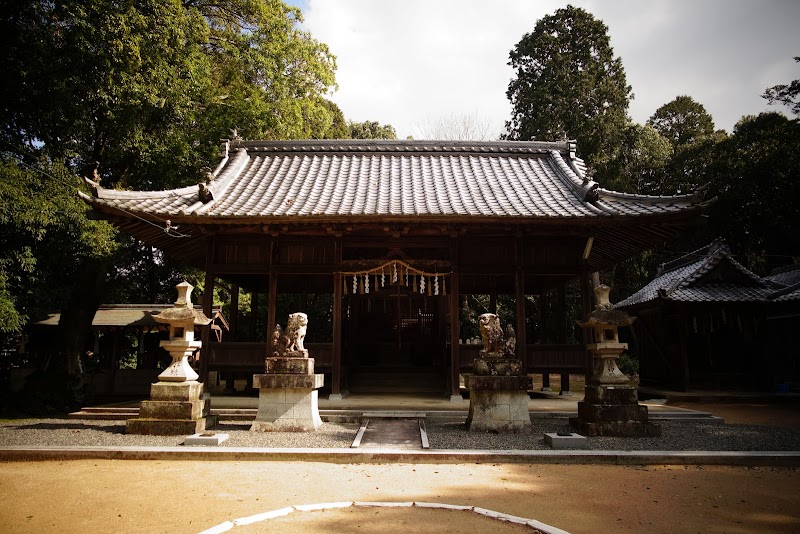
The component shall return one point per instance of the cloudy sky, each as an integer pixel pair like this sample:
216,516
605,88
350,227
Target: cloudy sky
410,62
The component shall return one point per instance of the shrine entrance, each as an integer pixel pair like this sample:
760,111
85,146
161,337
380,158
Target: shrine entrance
395,340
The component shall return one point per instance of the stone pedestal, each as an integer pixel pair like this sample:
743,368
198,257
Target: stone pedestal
174,408
287,396
613,411
498,402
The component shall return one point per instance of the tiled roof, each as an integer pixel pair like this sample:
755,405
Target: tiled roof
789,275
314,180
125,315
699,277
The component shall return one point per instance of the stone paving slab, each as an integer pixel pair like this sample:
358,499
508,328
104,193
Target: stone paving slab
392,433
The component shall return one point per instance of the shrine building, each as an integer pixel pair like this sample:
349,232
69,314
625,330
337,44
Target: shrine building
390,245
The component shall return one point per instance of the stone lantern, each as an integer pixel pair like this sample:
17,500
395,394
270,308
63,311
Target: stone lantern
178,403
605,322
181,319
611,404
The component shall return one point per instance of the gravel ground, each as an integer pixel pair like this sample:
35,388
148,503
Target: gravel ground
677,435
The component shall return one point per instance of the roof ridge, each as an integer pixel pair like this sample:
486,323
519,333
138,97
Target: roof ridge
397,145
690,257
223,180
584,187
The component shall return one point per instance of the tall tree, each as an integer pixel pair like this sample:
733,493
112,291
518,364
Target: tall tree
371,130
568,83
786,94
753,174
682,121
337,129
640,161
138,94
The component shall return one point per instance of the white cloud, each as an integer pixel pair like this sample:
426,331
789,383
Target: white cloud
409,62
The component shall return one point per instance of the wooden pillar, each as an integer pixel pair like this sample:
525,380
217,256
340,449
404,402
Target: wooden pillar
546,382
565,384
254,314
561,312
336,373
519,286
684,338
112,375
208,301
586,304
234,318
492,294
455,326
272,304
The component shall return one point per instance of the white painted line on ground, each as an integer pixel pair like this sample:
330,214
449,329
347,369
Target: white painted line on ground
261,517
423,434
322,506
442,506
534,524
385,504
360,435
219,529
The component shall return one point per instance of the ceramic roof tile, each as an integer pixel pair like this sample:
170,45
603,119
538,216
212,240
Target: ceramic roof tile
691,278
295,179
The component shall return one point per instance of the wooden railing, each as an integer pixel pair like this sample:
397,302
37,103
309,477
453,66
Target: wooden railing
250,356
541,358
544,358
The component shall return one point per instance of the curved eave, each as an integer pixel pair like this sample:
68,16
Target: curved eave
614,238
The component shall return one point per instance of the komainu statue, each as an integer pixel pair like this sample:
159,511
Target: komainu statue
511,341
491,333
289,343
495,344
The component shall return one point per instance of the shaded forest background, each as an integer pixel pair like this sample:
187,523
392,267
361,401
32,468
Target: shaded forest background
137,95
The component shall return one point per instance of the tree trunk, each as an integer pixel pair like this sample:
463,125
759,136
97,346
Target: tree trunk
76,320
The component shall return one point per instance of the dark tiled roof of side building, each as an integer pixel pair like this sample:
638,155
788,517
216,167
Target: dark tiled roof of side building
314,180
709,274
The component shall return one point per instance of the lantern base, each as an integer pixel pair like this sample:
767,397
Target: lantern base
613,411
174,408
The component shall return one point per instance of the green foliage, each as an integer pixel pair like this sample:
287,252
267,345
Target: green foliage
371,130
682,121
628,364
688,168
640,161
568,83
754,173
137,95
44,237
786,94
337,128
148,88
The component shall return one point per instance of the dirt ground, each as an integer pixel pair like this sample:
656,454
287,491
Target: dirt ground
189,496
